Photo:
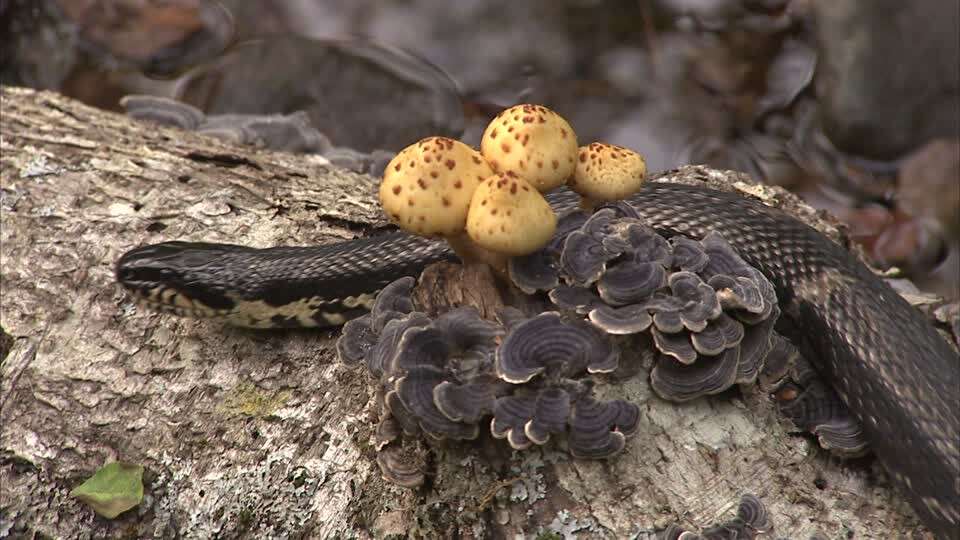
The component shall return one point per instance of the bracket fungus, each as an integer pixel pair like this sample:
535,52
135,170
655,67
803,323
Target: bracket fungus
547,344
751,520
709,313
809,403
530,418
444,377
599,429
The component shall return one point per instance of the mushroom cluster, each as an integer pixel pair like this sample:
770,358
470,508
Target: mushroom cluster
610,283
526,378
708,314
488,204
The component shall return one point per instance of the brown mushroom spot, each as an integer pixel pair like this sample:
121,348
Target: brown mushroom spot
505,147
450,164
446,201
422,183
434,174
397,189
493,134
477,160
458,184
556,164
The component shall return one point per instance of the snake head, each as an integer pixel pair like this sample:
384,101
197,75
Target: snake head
168,276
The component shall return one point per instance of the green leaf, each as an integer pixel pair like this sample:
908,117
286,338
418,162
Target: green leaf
113,489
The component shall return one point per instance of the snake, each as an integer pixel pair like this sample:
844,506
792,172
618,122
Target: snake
883,357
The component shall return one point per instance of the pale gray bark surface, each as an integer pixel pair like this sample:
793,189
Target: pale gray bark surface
264,433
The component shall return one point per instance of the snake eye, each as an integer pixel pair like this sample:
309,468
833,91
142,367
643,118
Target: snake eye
125,274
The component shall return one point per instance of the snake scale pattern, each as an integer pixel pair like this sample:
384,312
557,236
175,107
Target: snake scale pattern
890,366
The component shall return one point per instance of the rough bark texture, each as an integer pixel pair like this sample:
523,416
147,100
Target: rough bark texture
264,433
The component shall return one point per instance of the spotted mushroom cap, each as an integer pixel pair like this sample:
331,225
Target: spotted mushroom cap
607,172
531,142
510,217
427,187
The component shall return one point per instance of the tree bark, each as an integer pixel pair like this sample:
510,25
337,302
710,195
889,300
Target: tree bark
264,433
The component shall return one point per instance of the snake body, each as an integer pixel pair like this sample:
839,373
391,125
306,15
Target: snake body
890,366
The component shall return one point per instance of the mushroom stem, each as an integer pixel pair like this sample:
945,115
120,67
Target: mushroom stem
589,203
471,253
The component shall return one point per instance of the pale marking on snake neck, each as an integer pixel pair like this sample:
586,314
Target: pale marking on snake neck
258,313
365,300
255,313
172,302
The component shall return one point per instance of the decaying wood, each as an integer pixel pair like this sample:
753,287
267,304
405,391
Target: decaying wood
264,433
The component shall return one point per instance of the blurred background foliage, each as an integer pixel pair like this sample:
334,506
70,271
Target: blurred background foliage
852,105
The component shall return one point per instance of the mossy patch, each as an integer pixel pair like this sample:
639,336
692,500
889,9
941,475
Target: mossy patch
245,399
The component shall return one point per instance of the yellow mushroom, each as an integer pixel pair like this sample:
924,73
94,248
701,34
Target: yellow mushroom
607,172
532,142
427,189
508,216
